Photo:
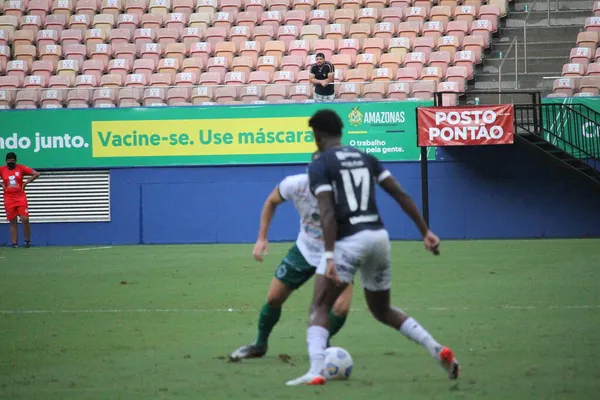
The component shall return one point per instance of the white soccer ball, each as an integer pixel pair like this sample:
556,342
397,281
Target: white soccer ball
338,364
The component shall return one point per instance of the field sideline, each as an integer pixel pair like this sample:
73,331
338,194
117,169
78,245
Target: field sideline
155,322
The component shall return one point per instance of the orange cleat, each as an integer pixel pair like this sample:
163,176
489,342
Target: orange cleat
449,363
307,379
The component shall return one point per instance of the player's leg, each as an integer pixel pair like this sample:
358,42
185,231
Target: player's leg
11,216
376,279
23,212
325,294
317,335
339,313
270,312
292,272
14,232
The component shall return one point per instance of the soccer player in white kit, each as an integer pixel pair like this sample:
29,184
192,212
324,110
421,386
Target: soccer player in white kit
343,179
297,267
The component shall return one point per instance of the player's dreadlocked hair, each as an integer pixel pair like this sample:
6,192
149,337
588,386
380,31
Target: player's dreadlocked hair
11,155
326,123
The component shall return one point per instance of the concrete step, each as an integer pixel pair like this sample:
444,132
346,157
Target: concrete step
496,97
531,80
543,33
557,18
549,65
534,49
564,5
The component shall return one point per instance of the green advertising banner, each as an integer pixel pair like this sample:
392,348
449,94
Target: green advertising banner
211,135
573,127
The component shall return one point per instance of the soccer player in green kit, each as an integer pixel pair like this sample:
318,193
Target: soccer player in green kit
297,267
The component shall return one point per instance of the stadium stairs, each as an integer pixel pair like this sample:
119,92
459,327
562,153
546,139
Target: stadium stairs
556,129
547,141
548,46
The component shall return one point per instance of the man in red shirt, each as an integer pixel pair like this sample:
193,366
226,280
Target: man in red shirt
15,199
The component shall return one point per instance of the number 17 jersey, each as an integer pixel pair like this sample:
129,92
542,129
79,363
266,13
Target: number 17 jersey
352,176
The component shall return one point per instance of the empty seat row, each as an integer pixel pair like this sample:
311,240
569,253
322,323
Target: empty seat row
421,50
161,7
568,87
138,96
176,31
239,35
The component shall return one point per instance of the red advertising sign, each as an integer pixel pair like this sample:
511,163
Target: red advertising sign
466,126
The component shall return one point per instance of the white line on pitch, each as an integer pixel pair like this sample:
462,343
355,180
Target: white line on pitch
93,248
218,310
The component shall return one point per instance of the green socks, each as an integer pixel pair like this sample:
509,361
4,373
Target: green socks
335,323
269,316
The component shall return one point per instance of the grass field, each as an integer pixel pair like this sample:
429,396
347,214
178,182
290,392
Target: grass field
153,322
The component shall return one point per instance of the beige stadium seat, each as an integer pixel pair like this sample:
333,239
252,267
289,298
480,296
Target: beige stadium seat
590,85
210,78
237,78
43,68
320,17
17,69
113,7
160,79
86,82
564,86
153,96
374,91
148,67
112,81
46,36
56,23
399,91
93,68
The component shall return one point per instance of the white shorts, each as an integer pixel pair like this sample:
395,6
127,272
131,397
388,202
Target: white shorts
367,251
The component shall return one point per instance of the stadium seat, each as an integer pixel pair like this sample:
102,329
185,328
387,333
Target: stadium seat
43,68
590,85
564,86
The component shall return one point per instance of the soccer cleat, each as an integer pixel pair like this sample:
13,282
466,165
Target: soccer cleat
449,363
27,244
248,351
15,246
307,379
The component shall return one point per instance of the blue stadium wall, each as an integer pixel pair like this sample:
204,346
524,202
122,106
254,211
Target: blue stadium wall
475,193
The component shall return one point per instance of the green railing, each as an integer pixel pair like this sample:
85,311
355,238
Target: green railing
574,128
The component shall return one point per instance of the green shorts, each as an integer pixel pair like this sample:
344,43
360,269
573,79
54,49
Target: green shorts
294,270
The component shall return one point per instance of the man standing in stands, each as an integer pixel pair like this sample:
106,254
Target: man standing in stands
15,199
322,75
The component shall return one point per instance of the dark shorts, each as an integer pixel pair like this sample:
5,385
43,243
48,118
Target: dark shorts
294,270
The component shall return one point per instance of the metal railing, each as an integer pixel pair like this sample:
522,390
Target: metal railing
572,128
514,44
529,11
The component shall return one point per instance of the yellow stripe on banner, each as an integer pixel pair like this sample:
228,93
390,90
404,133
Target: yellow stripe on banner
357,132
193,137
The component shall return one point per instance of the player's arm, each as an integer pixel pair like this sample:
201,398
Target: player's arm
393,188
320,185
33,175
266,216
328,222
